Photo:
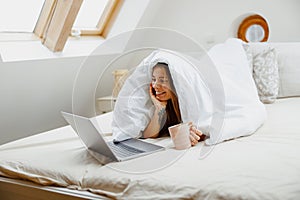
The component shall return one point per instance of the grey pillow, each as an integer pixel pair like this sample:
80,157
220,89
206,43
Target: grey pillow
266,75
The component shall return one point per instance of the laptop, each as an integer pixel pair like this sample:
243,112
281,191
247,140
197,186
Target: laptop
89,132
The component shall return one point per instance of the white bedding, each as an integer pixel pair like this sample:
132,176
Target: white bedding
265,165
216,92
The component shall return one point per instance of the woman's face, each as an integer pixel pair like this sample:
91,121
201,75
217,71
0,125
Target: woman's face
161,83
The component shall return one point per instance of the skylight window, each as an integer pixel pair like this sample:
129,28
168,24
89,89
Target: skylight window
53,21
89,14
94,16
19,16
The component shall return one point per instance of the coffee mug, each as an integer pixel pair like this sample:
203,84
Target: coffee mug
180,135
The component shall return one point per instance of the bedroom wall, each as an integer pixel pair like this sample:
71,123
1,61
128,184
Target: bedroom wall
36,84
211,22
34,91
31,92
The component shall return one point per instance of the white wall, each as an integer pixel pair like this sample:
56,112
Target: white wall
211,22
36,84
33,92
128,16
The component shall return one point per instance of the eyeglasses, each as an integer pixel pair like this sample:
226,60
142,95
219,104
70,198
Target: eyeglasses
161,81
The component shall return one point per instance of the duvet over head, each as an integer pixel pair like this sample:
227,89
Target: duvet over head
222,109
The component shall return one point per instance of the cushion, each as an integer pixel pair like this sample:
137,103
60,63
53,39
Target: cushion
265,74
288,62
265,71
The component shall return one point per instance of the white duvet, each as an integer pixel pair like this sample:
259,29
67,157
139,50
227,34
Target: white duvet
223,103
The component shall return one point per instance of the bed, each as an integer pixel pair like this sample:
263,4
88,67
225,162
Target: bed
264,165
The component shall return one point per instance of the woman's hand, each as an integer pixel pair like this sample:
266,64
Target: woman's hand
159,105
195,134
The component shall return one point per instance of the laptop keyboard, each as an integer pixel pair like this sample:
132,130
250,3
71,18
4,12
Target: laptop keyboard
123,150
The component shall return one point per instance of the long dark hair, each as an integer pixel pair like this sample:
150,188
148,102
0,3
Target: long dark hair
173,115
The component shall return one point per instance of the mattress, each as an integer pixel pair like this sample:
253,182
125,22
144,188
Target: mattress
265,165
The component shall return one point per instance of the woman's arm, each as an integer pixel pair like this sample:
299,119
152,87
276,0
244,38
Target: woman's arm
153,128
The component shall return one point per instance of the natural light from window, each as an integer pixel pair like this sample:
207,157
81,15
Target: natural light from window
89,14
18,15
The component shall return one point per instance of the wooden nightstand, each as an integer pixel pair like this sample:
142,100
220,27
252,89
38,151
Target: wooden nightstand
105,104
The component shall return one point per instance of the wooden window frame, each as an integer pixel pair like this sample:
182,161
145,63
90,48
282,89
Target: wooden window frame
105,21
57,18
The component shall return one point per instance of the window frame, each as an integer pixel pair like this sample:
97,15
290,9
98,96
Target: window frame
105,20
49,18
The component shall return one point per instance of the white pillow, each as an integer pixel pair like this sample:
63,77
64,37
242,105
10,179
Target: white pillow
288,56
244,113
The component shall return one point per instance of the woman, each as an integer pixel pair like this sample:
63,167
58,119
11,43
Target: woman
167,112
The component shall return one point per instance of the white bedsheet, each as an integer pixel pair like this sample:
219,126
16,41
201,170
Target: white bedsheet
265,165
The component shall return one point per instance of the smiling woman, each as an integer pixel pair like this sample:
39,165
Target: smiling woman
164,97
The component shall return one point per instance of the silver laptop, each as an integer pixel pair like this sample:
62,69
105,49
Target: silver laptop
89,132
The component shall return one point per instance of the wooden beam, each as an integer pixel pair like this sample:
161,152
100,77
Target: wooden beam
44,18
109,16
61,23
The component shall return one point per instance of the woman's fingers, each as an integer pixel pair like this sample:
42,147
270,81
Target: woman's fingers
153,98
158,104
150,91
195,130
195,134
194,138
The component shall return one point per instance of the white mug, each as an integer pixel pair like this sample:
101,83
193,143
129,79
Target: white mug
180,134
